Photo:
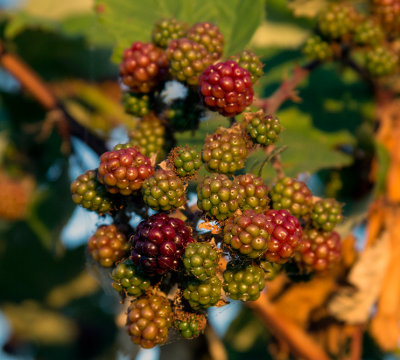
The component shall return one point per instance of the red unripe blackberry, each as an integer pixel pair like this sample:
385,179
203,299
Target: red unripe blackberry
226,88
209,36
225,151
188,60
108,245
159,243
123,171
166,30
388,14
243,282
190,325
251,62
254,191
148,321
248,234
136,104
315,48
203,294
144,67
164,191
320,250
218,196
200,260
336,20
263,129
286,236
292,195
326,214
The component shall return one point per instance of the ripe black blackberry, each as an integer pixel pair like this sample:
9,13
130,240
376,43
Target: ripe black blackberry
225,151
203,294
381,61
209,36
159,243
218,196
136,104
166,30
243,282
251,62
254,192
200,260
129,280
315,48
263,129
148,321
186,162
326,214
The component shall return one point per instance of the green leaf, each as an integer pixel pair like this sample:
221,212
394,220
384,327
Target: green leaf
130,21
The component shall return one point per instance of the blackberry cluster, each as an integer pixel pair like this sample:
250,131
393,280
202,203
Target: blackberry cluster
249,61
185,162
388,14
254,192
225,151
108,245
226,88
166,30
209,36
293,195
159,243
164,191
243,282
149,319
263,129
136,104
336,21
316,48
123,171
381,61
129,280
200,260
203,294
368,32
218,196
190,325
326,214
248,234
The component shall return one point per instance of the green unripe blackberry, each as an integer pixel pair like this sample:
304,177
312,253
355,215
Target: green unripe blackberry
263,129
317,49
88,192
254,191
270,269
190,325
381,61
166,30
368,32
200,260
164,191
326,214
136,104
336,20
203,294
218,196
243,282
187,60
186,162
209,36
247,234
251,62
293,195
129,280
225,151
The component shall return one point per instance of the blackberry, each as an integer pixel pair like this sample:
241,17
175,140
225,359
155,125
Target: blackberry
123,171
186,162
159,244
209,36
136,104
293,195
108,245
336,20
388,14
164,191
263,129
225,151
381,61
148,321
286,236
243,282
251,62
218,196
254,192
144,67
270,269
190,325
321,250
317,49
200,260
88,192
203,294
226,88
129,280
248,234
326,214
368,32
166,30
188,60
